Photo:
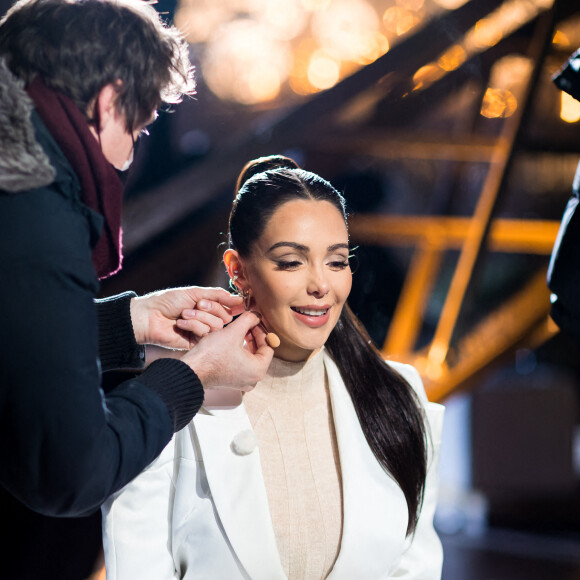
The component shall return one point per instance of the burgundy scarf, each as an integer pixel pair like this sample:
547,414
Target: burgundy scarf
101,188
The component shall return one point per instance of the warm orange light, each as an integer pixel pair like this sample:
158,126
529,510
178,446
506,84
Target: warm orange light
298,80
343,29
450,4
368,48
569,108
414,5
498,103
452,58
323,71
263,83
399,20
426,76
285,19
485,33
561,39
244,63
197,21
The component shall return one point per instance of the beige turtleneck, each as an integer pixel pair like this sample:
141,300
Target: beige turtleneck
291,415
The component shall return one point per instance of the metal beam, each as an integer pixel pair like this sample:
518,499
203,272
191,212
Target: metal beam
491,191
450,233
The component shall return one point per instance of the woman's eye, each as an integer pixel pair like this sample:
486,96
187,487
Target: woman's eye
339,264
287,265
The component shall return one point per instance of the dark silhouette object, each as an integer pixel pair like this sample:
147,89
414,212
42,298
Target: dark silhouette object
564,269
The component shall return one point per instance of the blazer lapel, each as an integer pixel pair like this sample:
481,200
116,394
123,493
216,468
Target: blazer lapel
374,508
238,492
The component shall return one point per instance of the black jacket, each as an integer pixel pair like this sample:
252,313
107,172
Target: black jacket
564,268
64,445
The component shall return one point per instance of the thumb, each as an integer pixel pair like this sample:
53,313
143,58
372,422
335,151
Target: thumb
243,324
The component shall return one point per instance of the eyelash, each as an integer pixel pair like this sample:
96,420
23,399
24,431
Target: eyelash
287,265
294,264
339,265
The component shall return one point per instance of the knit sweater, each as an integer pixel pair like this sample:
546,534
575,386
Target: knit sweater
291,415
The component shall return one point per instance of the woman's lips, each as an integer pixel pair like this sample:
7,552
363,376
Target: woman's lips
313,317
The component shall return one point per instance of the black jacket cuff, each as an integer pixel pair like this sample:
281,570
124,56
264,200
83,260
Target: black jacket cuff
178,386
118,348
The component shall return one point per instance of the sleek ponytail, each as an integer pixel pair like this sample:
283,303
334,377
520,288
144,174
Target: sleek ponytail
387,407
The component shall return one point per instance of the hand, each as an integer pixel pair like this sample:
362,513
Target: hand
221,360
179,317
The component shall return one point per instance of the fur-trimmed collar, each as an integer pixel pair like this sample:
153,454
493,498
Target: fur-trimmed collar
23,163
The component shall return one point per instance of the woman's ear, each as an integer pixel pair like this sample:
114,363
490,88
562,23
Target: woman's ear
235,268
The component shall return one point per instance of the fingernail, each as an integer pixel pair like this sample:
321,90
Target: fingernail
203,305
189,313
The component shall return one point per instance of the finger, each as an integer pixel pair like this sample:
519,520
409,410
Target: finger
215,309
243,324
259,335
210,320
262,350
215,295
251,342
195,326
235,310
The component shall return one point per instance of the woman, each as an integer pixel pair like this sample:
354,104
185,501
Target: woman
327,469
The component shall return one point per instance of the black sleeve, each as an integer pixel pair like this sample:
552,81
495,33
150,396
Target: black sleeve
64,445
118,348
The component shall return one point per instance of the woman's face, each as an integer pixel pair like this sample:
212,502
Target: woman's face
299,275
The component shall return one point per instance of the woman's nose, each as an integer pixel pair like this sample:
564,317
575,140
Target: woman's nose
318,285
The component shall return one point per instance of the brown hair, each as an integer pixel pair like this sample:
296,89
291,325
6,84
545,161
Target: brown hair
78,47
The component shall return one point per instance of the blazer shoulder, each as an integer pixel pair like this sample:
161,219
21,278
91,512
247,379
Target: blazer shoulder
434,411
412,376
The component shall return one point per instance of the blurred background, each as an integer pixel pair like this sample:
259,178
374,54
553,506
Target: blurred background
439,121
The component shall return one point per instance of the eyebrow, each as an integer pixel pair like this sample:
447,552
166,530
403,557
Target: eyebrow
306,249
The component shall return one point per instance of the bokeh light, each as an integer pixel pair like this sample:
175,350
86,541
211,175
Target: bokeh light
427,75
198,19
414,5
452,58
344,28
498,103
323,71
569,108
285,19
450,4
244,63
399,20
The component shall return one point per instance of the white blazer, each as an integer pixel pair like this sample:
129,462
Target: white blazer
200,511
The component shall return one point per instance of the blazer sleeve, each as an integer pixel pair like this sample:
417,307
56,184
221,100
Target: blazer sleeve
137,524
423,555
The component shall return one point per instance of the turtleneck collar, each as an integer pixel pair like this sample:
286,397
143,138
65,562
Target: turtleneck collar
292,378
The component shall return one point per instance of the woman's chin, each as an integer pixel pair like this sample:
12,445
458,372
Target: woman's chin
297,352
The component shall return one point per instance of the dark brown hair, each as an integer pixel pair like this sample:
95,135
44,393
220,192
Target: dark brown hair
387,407
78,47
